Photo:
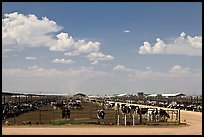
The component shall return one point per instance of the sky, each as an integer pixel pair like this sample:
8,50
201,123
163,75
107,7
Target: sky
102,48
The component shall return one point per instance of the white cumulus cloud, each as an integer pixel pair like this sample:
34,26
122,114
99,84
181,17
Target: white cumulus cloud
96,56
121,68
30,58
126,31
183,45
71,54
20,31
63,61
27,31
178,69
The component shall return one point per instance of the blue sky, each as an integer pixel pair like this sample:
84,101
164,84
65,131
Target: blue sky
122,58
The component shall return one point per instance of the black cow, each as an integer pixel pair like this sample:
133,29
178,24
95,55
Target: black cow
125,109
153,112
142,110
65,112
163,113
101,114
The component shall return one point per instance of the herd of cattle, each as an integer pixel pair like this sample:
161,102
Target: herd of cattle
153,114
190,107
12,109
173,105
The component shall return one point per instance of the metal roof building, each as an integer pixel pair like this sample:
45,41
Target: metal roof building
168,95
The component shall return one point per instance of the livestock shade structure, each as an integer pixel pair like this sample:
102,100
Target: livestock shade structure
13,97
168,95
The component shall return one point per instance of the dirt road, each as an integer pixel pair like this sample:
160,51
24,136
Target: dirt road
193,127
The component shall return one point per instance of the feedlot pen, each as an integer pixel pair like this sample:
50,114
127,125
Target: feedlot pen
87,115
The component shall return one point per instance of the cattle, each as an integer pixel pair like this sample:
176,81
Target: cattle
15,109
12,109
75,104
110,104
172,105
154,114
191,107
180,106
134,108
125,109
142,111
199,108
101,114
162,115
151,114
129,110
65,112
7,123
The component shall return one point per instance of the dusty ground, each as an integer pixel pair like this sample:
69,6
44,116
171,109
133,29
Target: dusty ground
193,127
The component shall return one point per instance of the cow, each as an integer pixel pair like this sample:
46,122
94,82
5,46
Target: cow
154,114
65,112
130,110
101,114
75,104
125,109
110,104
199,108
191,107
142,111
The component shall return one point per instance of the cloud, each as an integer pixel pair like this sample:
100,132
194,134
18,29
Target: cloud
27,31
33,67
88,80
30,58
148,73
36,71
96,56
20,31
190,46
177,69
121,68
63,61
126,31
63,42
148,68
67,43
71,54
94,62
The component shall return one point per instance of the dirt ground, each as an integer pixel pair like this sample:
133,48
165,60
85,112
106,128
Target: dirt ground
193,127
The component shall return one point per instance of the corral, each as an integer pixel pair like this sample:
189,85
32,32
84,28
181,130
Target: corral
49,114
47,120
193,127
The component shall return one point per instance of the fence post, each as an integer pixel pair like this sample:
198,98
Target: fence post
91,114
53,115
40,116
125,119
179,120
140,117
118,119
172,114
115,117
133,118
